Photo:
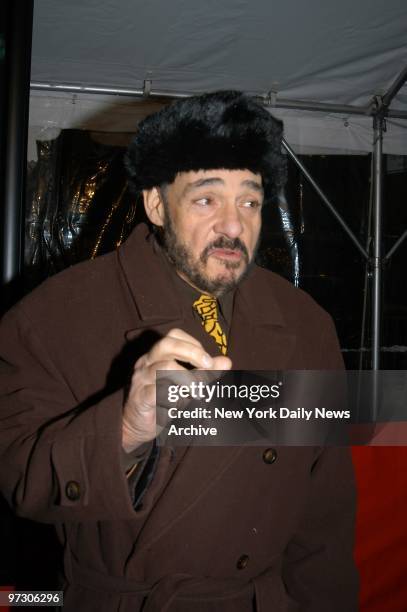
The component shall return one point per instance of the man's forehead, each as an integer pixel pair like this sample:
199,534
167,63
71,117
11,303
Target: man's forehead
189,181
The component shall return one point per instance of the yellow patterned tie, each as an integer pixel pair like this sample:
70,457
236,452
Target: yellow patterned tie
207,308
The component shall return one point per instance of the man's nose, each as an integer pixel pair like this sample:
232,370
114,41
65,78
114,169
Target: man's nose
228,221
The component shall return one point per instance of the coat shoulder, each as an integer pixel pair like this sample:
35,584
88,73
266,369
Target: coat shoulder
79,286
296,305
280,302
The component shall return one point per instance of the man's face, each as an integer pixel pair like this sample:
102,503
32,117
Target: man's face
211,225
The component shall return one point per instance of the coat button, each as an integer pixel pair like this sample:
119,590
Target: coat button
269,455
242,562
73,490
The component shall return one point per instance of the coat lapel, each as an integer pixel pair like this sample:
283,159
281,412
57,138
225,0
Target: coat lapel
260,338
148,276
201,468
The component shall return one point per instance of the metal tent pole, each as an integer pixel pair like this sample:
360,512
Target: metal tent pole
380,113
18,65
323,197
396,245
386,100
266,99
378,127
395,87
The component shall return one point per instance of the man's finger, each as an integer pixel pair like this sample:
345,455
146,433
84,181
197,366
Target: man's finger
221,362
180,334
170,348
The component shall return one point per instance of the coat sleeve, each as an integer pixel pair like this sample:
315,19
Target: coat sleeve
58,461
319,569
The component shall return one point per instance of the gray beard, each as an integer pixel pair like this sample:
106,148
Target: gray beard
181,258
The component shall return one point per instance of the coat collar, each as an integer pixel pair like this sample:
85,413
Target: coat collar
260,338
148,276
262,304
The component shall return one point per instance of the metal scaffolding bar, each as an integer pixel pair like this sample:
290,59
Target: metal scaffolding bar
109,91
395,87
396,245
378,126
323,197
266,99
18,65
326,107
396,114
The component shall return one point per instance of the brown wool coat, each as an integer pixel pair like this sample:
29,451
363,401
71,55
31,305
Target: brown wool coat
219,529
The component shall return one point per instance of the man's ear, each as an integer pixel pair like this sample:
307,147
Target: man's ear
154,206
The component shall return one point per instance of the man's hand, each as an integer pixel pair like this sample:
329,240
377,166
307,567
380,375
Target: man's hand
139,416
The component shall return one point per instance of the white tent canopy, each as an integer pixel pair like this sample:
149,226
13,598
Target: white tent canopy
292,52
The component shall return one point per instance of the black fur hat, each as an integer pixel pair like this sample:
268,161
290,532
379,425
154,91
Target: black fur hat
225,129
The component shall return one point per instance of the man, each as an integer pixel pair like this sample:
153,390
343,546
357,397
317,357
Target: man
177,529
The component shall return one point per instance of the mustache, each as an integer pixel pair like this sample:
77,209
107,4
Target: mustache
222,242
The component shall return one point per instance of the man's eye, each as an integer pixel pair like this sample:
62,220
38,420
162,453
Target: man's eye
203,201
251,204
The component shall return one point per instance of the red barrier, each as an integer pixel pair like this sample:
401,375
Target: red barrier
5,588
381,527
